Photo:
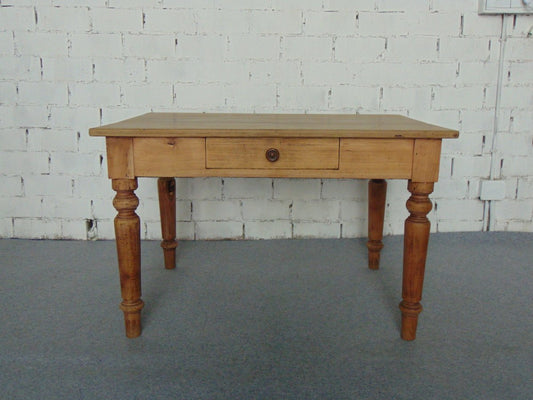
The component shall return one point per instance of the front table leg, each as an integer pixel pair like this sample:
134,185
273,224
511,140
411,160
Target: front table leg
414,255
128,240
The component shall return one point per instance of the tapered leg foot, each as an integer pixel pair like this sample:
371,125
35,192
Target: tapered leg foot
167,209
377,193
128,240
416,240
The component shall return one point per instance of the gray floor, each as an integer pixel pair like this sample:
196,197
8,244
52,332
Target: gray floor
288,319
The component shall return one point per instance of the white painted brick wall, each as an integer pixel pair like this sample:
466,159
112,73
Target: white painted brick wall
67,65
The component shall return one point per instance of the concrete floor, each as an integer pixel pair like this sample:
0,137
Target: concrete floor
284,319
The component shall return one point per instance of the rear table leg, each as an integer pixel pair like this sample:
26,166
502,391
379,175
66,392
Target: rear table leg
167,208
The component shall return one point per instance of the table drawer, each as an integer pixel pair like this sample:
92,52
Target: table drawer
272,153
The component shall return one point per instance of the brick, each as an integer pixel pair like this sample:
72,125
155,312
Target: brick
459,226
359,49
62,69
478,73
66,207
186,71
467,143
74,164
383,24
36,228
52,140
74,229
267,230
330,23
253,47
20,67
317,210
477,120
467,166
6,43
517,166
6,227
316,230
344,189
223,21
354,229
227,210
18,162
296,189
353,210
148,209
460,210
395,98
520,73
412,74
200,96
307,48
525,188
511,145
513,210
149,46
81,117
128,69
11,186
522,120
453,98
451,189
302,97
43,93
464,49
96,94
481,25
519,49
517,97
152,231
241,96
448,5
93,187
272,71
266,210
131,3
116,20
96,45
219,230
103,208
8,93
41,43
434,24
186,3
246,188
354,98
327,73
13,139
204,47
48,185
65,19
148,95
411,48
276,22
30,116
199,188
166,21
349,5
17,18
20,207
419,6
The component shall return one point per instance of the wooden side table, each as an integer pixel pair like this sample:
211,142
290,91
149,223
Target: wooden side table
375,147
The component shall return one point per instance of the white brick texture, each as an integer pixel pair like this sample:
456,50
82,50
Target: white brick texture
67,65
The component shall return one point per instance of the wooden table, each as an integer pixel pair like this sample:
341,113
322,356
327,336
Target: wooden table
375,147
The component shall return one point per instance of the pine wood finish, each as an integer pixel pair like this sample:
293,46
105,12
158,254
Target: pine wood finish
377,193
375,147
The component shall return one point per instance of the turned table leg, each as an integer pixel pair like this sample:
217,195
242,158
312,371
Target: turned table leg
414,255
128,240
167,209
377,192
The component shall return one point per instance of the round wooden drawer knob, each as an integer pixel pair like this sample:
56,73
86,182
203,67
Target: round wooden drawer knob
272,155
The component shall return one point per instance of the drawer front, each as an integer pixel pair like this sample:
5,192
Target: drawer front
376,158
169,156
272,153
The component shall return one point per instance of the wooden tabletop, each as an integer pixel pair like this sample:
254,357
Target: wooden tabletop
273,125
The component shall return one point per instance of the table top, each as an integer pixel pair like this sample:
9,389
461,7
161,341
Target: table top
273,125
